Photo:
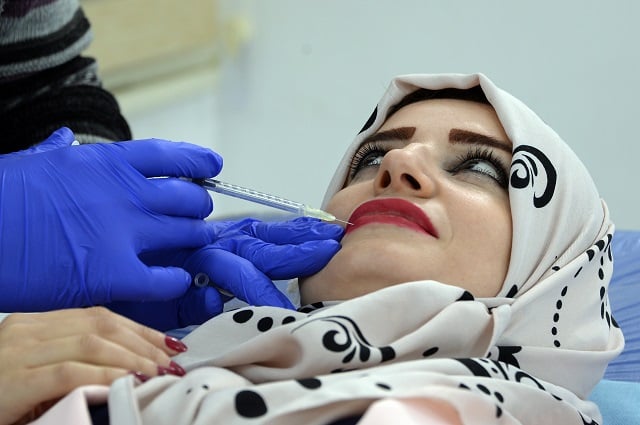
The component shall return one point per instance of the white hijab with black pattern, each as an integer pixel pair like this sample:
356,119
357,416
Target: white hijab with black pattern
560,224
530,355
560,227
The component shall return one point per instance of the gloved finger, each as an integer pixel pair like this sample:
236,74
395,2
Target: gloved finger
165,258
283,261
160,158
195,307
148,284
160,315
60,138
222,229
175,197
199,305
298,230
167,233
237,276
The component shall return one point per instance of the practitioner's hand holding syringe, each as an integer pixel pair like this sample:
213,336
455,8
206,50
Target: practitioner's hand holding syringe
87,225
242,259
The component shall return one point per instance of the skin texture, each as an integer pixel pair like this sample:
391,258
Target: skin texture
468,209
47,355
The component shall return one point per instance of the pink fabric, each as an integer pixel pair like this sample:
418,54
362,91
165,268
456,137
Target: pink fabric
73,409
407,412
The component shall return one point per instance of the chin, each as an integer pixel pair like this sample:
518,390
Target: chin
355,271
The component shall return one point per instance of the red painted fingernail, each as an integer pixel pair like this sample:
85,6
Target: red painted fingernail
173,369
140,376
175,344
164,371
177,369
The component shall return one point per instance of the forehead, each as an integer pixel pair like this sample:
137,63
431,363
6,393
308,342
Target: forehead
446,114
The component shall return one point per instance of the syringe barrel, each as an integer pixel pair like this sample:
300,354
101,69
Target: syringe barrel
253,195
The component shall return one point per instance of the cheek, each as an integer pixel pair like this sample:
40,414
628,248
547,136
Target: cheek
487,226
499,238
482,244
346,200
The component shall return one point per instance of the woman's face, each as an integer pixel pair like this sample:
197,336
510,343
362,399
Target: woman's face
427,196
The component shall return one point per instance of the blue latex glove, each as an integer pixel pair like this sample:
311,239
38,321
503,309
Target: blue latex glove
242,260
74,220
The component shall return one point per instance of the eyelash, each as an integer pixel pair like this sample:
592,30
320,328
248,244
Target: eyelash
362,153
473,154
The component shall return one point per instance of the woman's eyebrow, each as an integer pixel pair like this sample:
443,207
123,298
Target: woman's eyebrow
400,133
457,135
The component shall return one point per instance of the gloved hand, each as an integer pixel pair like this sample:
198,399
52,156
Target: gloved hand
74,220
242,260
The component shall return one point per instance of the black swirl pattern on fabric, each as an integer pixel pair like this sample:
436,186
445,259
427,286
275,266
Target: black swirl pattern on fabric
349,338
525,171
487,368
370,121
480,367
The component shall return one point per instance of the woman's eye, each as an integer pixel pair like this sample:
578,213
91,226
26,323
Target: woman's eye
483,163
484,167
371,160
366,157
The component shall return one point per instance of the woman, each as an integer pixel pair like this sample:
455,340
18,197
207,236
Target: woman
471,286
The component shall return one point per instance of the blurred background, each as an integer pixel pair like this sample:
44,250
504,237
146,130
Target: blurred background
280,87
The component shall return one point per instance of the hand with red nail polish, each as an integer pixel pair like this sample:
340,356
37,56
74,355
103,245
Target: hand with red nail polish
44,356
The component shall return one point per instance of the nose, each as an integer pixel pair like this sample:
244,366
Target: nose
405,171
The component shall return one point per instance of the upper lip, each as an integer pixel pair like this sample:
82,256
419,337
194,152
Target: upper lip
395,207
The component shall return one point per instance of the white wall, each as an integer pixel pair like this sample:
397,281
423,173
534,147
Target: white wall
290,101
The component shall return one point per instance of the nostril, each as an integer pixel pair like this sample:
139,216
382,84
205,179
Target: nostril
415,185
385,179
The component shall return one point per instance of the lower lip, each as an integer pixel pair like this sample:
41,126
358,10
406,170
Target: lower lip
384,219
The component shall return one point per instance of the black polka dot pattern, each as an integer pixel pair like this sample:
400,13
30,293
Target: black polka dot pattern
556,317
288,319
604,248
262,324
310,383
204,387
512,292
483,389
265,324
243,316
250,404
383,386
430,352
311,307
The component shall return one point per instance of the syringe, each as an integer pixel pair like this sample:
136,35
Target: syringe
265,199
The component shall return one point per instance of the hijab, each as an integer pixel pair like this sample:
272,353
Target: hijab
561,261
531,354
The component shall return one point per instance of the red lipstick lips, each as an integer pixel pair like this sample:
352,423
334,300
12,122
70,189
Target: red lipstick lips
393,211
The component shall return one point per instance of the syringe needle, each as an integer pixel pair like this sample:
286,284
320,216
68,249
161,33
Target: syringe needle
342,221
